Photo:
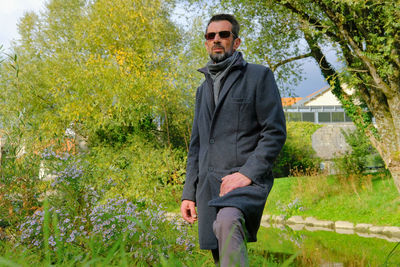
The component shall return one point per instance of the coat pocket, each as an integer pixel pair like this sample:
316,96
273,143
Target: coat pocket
218,175
237,100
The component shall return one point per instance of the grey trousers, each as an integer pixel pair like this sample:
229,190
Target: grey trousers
228,228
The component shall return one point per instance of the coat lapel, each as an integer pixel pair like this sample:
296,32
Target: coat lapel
232,77
210,96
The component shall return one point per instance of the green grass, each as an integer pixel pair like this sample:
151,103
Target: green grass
279,245
366,199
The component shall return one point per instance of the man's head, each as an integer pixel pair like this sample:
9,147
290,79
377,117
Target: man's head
222,37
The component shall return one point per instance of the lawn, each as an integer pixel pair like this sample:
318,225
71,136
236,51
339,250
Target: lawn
366,199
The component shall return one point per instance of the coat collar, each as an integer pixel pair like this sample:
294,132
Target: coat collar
239,64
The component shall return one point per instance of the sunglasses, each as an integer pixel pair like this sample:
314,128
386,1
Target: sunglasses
222,34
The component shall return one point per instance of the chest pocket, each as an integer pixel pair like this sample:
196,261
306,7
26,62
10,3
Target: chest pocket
237,100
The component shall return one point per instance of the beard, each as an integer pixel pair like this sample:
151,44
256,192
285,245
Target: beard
219,57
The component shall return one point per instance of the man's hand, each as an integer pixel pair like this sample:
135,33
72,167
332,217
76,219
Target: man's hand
188,211
233,181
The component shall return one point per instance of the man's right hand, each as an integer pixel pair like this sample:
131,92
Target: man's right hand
188,211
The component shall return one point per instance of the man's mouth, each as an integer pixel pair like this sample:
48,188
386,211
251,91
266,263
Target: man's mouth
218,49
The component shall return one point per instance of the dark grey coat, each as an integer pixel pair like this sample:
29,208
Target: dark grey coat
243,133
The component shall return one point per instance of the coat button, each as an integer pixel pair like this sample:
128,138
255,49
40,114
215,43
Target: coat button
210,169
212,141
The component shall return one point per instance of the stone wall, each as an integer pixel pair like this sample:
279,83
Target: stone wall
329,143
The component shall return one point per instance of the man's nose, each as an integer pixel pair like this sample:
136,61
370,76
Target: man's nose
217,39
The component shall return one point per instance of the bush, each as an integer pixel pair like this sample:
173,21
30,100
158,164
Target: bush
139,169
297,154
361,156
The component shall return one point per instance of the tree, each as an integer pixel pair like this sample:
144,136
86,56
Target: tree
96,66
366,36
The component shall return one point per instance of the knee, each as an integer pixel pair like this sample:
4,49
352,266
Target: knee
227,220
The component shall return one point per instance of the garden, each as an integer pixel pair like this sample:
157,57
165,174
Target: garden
96,107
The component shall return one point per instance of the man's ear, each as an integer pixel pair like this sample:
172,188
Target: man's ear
236,43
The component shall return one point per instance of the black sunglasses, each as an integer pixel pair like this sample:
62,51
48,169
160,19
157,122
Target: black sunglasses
222,34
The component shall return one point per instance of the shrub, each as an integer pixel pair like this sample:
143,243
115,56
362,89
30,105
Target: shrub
361,156
139,169
297,154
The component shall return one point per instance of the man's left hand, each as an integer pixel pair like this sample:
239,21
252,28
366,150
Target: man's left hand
233,181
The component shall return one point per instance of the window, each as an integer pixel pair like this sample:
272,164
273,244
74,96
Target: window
337,116
324,117
308,116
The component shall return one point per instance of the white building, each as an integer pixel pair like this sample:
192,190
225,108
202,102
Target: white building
319,107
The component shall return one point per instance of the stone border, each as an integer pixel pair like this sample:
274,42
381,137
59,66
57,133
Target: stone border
297,223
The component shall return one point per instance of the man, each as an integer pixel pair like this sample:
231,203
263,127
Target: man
238,131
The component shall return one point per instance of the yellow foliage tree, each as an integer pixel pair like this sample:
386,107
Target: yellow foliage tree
86,65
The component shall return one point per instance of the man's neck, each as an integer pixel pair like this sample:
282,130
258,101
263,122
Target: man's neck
216,67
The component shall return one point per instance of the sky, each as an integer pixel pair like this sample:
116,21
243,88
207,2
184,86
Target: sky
12,10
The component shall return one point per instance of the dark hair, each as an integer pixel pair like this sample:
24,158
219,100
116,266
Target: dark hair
228,17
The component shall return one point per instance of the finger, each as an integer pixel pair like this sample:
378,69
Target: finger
193,213
187,217
221,189
185,212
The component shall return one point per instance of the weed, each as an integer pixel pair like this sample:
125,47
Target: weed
292,208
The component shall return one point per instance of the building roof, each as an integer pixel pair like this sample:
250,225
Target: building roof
322,97
305,100
288,101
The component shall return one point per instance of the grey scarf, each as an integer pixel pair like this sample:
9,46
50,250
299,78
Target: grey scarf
219,71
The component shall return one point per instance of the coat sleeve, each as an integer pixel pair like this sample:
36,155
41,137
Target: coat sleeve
272,136
192,168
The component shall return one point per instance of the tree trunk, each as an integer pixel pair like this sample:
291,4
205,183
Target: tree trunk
389,131
395,172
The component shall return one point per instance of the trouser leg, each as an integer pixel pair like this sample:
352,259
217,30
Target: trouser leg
228,228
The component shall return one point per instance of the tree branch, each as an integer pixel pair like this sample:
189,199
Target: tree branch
274,67
357,50
307,18
268,61
326,68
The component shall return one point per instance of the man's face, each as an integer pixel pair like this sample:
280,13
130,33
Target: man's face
219,48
